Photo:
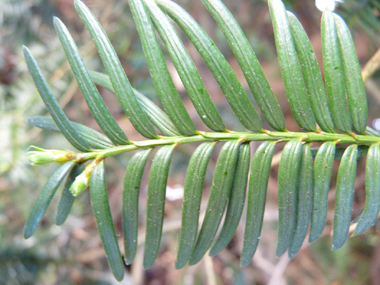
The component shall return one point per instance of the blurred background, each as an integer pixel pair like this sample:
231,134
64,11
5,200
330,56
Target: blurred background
72,253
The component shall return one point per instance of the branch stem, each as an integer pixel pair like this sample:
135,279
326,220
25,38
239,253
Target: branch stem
244,136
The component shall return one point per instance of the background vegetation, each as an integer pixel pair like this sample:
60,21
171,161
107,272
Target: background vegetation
73,253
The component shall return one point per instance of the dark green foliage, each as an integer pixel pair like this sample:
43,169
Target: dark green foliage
257,192
44,198
249,64
94,101
334,74
131,191
312,76
287,194
372,191
157,116
344,196
217,64
159,71
323,166
192,201
102,213
304,200
303,184
119,80
235,202
186,70
219,193
290,67
156,203
93,138
51,103
355,91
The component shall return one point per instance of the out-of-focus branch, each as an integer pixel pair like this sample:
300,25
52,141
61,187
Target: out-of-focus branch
371,66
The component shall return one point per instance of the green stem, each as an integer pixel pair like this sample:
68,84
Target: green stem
243,136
